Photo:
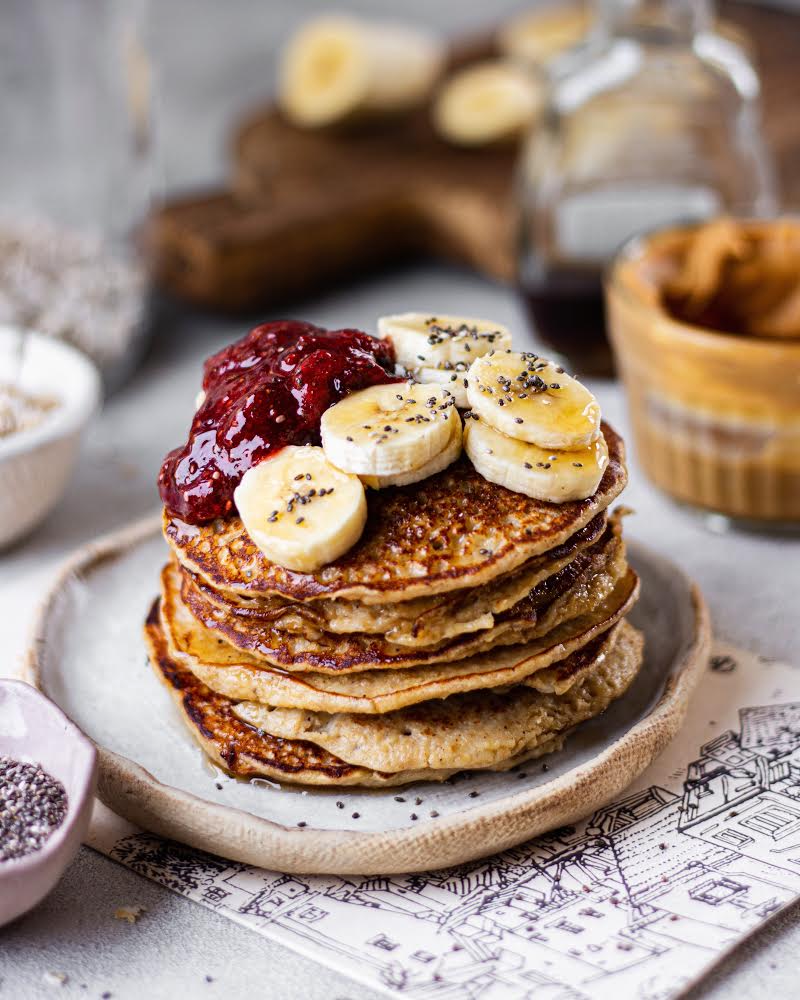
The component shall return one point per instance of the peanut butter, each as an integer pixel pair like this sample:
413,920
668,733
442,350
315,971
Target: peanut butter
739,278
716,412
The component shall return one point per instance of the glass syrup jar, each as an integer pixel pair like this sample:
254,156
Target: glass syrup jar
654,118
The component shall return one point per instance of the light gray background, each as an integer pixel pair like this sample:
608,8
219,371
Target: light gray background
216,59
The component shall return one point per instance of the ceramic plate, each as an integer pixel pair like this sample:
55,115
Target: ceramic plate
88,656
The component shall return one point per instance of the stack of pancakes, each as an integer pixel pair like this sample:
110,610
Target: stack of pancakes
470,628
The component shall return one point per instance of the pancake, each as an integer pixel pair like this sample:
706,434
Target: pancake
465,731
582,584
245,752
232,673
422,621
566,673
451,531
227,740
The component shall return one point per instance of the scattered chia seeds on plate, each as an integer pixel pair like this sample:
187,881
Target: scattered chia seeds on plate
32,805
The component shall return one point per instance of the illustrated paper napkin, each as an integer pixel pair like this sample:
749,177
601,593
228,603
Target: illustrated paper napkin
638,900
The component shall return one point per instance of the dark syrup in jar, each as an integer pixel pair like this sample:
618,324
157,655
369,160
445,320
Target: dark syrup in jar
566,309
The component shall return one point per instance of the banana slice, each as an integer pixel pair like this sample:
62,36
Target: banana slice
424,340
555,476
438,463
452,377
299,510
531,399
337,68
388,430
488,103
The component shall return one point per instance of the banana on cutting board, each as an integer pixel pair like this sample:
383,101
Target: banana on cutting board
337,68
487,103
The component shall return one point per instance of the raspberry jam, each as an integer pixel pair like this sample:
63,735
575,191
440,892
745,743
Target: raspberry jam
264,392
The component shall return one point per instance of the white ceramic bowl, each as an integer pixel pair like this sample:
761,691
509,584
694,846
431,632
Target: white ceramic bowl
35,464
34,730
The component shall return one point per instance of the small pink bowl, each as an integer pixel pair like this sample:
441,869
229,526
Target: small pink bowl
32,729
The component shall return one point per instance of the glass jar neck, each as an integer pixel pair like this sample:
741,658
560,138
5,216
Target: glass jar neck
654,20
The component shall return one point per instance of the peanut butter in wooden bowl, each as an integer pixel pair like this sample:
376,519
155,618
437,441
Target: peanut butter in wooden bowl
705,326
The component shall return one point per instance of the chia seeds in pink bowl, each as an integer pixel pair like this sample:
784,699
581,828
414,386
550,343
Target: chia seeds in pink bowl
33,805
48,771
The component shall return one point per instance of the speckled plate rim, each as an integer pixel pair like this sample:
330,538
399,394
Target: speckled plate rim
134,793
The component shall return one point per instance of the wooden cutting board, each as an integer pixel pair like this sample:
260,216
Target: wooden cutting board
307,209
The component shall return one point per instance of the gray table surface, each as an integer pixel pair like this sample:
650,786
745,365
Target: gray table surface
750,580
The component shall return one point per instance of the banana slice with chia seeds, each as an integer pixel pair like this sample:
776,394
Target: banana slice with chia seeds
424,340
300,510
438,463
387,430
450,376
529,398
551,475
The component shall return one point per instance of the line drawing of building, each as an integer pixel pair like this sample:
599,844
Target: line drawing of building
632,902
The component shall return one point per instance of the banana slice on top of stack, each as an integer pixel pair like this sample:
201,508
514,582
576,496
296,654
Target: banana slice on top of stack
299,509
534,429
393,435
305,506
439,349
531,427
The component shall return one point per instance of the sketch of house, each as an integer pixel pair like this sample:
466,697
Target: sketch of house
628,903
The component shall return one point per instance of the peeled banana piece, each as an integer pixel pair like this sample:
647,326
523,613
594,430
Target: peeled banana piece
438,463
551,475
425,340
529,398
452,377
300,510
488,103
388,430
337,68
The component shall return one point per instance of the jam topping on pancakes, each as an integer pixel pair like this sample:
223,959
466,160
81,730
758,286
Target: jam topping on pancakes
264,392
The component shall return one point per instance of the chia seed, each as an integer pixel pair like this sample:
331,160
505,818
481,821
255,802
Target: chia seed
33,804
